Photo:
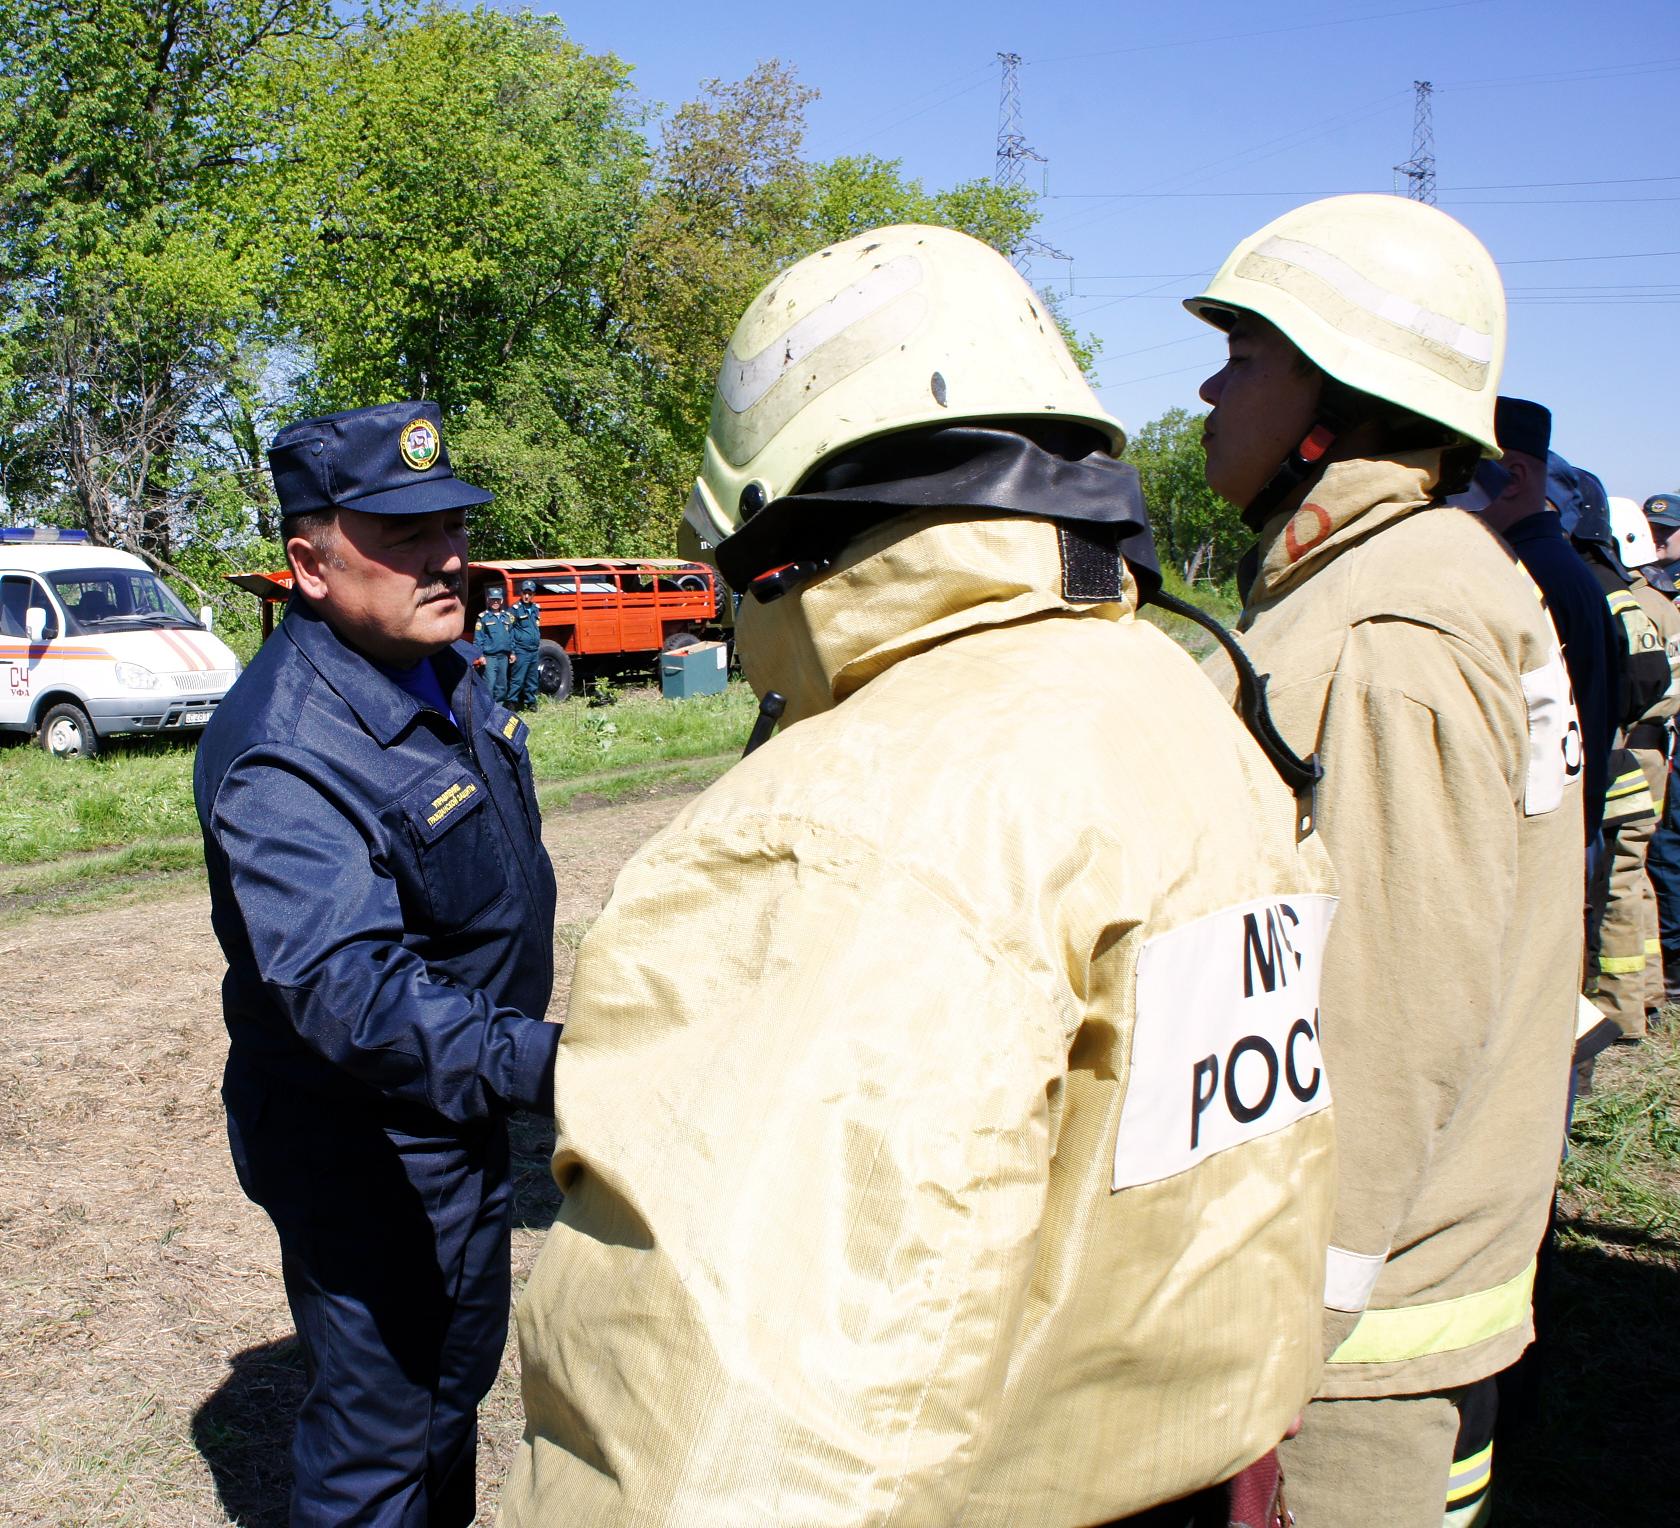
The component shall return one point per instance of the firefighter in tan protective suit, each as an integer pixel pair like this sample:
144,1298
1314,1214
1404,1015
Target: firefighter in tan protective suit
941,1123
1630,981
1405,645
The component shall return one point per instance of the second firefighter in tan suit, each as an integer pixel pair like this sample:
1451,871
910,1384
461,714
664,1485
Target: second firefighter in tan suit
941,1121
1630,971
1409,650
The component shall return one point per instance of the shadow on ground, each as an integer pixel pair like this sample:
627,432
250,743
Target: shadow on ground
1600,1452
244,1432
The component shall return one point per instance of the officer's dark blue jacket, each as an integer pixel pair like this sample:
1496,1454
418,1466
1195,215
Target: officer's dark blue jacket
1592,643
526,621
493,634
378,885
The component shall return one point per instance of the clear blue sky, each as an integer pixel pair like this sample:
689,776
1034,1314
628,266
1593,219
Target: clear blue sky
1172,131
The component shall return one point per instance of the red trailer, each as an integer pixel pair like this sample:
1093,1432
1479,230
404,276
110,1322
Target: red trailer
595,611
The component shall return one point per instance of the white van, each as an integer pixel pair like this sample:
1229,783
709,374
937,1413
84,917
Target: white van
92,643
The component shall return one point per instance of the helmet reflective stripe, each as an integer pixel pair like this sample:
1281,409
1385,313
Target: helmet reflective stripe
1388,296
741,384
1291,264
887,331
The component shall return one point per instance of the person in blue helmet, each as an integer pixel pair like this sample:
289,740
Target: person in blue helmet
526,623
380,889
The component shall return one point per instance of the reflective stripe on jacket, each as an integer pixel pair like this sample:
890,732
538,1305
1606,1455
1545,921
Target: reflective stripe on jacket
865,1041
1408,648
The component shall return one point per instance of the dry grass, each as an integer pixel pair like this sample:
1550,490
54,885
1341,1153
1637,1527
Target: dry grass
147,1369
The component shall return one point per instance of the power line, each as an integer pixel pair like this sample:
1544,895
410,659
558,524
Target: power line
1305,26
1513,185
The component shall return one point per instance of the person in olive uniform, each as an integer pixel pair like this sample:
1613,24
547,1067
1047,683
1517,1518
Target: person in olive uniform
493,636
525,620
379,886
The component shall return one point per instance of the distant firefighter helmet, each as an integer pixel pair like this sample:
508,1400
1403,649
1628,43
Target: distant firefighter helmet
1581,503
1634,543
892,330
1386,295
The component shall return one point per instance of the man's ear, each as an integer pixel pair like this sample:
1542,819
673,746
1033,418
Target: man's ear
309,567
1521,475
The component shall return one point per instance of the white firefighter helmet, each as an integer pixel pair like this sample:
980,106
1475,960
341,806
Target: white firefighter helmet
1634,543
1387,295
891,330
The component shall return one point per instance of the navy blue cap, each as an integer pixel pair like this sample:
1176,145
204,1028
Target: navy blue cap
1664,509
385,460
1521,425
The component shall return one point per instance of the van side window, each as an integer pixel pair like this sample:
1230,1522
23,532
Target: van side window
18,595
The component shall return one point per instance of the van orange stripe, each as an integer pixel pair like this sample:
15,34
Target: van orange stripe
55,652
181,650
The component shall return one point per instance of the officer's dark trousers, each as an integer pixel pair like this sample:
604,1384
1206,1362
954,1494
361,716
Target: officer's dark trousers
394,1249
522,687
1662,864
496,676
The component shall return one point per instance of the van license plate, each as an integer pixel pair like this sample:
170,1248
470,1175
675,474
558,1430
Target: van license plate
197,718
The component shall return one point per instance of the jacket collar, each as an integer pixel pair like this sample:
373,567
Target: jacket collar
1352,500
901,588
1543,525
385,710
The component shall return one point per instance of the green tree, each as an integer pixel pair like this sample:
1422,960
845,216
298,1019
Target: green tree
1195,530
457,194
128,292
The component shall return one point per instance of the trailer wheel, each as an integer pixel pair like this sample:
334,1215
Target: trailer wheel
554,670
66,732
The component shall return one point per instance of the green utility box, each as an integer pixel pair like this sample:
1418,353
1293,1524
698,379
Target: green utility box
699,670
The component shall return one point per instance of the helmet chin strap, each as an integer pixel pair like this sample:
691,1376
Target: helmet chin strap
1304,462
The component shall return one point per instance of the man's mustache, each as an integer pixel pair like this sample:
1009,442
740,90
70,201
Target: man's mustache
450,585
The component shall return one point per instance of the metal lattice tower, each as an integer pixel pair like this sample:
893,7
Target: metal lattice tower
1013,152
1419,170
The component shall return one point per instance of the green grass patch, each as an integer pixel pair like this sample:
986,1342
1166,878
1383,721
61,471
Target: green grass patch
75,832
132,794
639,727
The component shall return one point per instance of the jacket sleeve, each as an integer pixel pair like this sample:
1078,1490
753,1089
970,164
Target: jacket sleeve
1424,743
806,1121
318,901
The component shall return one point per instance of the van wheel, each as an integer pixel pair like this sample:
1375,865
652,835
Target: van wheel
66,732
554,669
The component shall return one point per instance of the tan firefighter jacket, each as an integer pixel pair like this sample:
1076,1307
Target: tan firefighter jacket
1408,648
940,1117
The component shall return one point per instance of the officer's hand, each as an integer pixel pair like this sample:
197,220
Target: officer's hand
478,662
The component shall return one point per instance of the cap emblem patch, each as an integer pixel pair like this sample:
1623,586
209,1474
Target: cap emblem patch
419,444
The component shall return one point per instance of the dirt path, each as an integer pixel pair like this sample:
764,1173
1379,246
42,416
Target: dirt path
147,1372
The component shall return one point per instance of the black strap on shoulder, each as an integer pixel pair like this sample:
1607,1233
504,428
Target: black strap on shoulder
1300,775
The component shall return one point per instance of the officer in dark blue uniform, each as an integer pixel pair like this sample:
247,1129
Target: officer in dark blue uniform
1533,529
379,887
527,638
493,636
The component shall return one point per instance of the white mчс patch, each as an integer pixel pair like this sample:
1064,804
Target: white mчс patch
1554,737
1225,1048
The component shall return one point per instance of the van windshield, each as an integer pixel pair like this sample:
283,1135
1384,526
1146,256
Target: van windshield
112,599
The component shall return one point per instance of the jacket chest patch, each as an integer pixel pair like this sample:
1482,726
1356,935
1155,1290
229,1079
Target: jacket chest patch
1225,1047
446,798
